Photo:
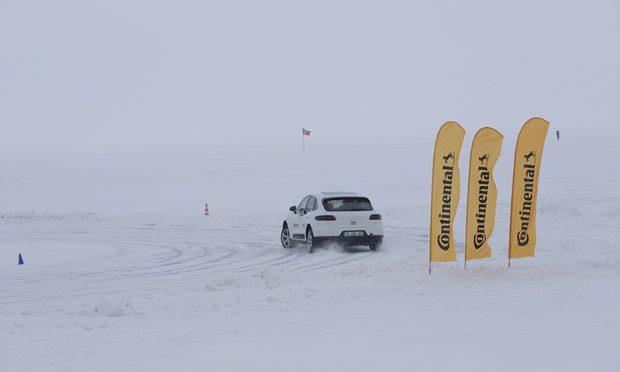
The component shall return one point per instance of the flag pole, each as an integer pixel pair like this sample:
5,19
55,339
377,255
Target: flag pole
303,140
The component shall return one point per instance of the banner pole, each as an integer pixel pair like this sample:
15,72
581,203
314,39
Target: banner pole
303,140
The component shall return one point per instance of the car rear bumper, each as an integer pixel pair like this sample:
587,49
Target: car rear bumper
326,231
343,239
360,240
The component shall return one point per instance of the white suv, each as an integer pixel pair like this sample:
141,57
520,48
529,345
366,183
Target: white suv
343,217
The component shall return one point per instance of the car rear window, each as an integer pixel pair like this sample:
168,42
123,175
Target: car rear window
347,204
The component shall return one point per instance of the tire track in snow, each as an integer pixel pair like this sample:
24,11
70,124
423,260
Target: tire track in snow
148,258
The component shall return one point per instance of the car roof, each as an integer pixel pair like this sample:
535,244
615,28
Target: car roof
337,194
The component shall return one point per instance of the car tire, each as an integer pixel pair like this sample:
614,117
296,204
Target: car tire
374,246
310,243
285,237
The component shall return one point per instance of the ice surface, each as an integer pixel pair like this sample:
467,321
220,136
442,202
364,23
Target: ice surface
151,291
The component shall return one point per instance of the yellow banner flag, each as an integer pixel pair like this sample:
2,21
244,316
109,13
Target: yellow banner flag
528,156
481,193
445,192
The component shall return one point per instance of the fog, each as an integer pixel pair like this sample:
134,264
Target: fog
91,92
140,73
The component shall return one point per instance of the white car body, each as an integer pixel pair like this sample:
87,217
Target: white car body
345,217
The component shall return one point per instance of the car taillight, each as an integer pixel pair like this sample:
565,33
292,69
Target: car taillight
375,216
325,218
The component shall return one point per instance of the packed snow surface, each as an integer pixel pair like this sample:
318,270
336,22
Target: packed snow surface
181,291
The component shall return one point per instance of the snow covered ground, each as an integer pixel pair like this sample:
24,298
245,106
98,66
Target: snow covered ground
170,289
120,119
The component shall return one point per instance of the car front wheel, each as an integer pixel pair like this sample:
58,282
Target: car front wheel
310,240
285,237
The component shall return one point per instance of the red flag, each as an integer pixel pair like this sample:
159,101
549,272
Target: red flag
305,132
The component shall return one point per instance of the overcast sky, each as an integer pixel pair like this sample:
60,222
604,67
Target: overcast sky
142,73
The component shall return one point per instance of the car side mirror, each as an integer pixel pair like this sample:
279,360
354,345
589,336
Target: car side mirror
293,209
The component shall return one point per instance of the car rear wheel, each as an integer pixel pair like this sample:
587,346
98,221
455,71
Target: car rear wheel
285,237
374,246
310,240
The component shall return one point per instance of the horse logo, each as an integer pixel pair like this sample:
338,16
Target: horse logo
448,157
527,157
484,159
